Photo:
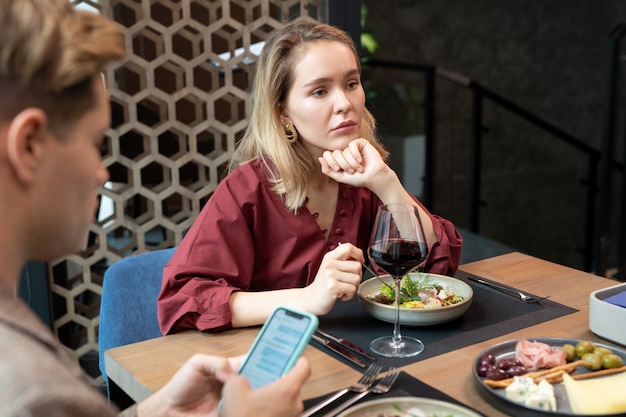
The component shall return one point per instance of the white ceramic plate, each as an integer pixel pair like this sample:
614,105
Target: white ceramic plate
498,396
385,407
416,316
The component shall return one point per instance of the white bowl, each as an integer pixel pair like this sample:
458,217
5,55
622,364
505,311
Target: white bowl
388,406
606,319
416,316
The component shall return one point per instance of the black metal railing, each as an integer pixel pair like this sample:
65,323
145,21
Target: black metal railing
600,168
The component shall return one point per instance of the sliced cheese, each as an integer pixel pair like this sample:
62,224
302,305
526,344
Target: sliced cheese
602,395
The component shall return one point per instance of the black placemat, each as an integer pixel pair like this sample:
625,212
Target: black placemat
491,314
405,386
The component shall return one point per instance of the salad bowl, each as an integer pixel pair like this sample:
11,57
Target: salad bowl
370,292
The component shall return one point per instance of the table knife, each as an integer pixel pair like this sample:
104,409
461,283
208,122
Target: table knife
347,344
337,348
493,284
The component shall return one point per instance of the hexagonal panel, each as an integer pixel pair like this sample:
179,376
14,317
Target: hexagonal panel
173,144
122,241
87,304
151,111
72,334
177,207
59,305
98,269
148,44
242,77
205,76
93,244
106,148
159,237
139,208
199,12
120,173
166,13
134,145
131,78
119,112
226,39
155,176
193,175
169,77
230,109
211,142
67,274
187,43
126,13
190,110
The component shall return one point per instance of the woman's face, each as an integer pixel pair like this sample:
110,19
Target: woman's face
326,100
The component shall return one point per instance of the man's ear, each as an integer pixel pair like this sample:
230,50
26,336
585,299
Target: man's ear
25,140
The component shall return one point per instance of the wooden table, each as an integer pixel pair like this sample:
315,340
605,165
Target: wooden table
143,367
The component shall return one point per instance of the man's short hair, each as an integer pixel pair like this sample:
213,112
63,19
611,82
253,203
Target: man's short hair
49,55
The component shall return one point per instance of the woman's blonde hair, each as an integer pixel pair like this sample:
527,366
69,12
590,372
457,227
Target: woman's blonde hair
265,136
49,54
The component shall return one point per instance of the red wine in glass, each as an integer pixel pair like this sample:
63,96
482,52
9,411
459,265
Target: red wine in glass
397,246
398,256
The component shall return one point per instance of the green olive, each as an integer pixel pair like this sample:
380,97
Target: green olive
595,362
584,346
601,351
611,360
571,351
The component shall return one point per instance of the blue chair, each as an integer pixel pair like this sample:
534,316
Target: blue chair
128,307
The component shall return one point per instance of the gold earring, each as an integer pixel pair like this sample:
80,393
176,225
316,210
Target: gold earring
291,133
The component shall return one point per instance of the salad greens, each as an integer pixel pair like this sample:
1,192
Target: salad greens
419,293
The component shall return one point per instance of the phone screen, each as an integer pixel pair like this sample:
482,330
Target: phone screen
275,347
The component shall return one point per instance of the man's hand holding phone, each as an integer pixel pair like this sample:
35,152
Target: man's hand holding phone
273,371
278,345
279,398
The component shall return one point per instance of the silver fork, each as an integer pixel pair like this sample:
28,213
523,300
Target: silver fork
524,297
365,382
382,387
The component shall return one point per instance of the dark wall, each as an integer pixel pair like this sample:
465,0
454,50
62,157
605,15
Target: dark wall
550,58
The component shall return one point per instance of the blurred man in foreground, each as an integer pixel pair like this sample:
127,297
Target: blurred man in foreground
54,112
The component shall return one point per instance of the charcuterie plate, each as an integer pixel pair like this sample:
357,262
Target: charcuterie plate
497,396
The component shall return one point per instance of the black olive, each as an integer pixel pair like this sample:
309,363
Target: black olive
516,370
483,368
496,374
488,360
507,363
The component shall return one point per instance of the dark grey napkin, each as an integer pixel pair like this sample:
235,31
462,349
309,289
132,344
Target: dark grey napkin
491,314
405,386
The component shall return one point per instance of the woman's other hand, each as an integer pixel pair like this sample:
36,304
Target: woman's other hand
338,277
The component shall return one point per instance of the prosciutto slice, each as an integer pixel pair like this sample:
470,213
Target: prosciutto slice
536,355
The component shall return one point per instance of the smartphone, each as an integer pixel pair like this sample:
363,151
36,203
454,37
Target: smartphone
278,345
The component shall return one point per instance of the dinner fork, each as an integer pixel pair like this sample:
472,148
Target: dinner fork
365,382
510,290
382,387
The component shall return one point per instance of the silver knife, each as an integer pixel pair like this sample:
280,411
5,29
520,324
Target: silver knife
337,348
347,344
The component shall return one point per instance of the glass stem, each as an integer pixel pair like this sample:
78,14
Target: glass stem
397,337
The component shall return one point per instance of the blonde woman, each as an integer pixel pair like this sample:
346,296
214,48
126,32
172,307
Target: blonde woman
290,223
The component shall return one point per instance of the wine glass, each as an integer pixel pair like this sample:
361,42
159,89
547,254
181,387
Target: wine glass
397,246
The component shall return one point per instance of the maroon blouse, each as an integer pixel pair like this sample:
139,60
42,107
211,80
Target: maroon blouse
246,239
